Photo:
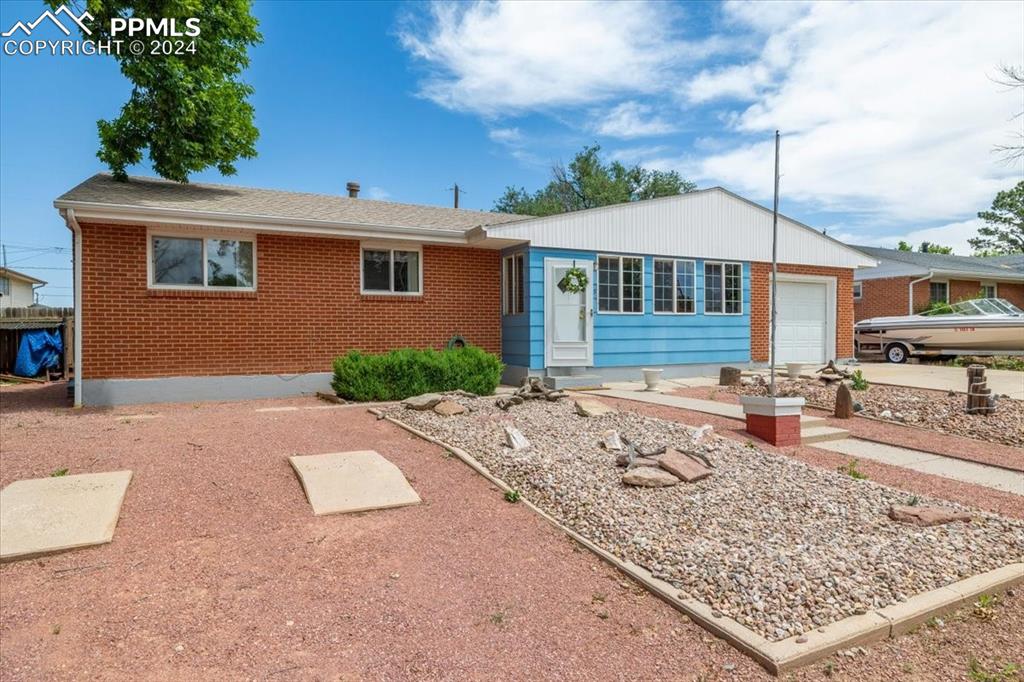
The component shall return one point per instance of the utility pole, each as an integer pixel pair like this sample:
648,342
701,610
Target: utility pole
775,262
457,192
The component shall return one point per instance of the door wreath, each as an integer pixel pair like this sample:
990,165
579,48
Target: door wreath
574,281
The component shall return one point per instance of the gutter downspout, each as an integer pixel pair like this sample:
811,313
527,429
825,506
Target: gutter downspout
910,292
77,232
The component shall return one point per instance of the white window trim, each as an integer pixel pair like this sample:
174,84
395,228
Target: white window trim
643,287
506,271
995,287
391,247
938,281
723,263
858,291
675,289
202,236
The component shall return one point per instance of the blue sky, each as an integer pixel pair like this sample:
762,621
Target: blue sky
889,111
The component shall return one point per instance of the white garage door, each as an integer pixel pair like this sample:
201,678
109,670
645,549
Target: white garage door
802,322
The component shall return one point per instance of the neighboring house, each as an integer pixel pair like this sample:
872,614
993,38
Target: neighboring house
906,282
199,291
17,289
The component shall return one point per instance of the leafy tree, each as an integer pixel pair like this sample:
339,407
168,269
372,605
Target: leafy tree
903,246
928,247
189,110
1004,233
589,182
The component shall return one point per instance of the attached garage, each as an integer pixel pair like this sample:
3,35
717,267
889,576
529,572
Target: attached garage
806,320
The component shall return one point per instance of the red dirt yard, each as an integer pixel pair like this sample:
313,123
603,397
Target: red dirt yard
219,570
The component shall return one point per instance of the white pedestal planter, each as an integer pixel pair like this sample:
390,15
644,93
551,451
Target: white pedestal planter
775,420
652,377
793,369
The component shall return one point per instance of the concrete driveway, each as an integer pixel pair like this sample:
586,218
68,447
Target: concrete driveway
941,378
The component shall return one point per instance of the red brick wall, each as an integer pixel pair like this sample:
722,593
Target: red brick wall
760,297
888,296
307,309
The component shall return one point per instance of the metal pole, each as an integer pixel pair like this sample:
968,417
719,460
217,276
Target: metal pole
775,263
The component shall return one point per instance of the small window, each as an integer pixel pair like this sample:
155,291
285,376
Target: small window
620,284
989,291
514,288
5,286
858,291
938,292
674,286
723,288
194,262
391,271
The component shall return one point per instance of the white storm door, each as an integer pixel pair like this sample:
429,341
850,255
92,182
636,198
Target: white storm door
568,317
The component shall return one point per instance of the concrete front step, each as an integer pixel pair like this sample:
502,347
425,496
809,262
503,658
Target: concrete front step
807,421
573,381
818,434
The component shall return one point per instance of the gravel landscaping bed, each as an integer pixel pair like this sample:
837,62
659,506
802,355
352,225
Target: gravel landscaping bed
928,409
778,545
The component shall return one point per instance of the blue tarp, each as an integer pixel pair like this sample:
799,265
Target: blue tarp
39,349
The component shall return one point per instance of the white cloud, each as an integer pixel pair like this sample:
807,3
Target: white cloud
508,57
378,193
632,119
888,109
952,234
513,140
505,135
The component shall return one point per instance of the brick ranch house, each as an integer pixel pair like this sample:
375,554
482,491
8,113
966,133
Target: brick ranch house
906,282
216,292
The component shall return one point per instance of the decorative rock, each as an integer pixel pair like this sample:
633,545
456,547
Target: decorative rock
703,432
885,414
592,408
683,467
622,459
504,403
645,462
925,515
449,408
610,441
649,477
515,439
427,401
844,402
858,407
729,376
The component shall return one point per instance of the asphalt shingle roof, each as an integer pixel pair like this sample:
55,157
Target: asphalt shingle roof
146,192
940,261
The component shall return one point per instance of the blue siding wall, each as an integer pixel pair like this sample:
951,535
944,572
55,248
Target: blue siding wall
630,340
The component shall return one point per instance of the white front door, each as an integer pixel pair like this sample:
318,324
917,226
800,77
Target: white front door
568,317
802,323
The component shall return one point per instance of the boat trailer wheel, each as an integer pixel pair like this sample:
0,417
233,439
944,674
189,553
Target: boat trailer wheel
897,353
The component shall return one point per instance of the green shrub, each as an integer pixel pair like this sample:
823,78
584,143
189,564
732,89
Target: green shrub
858,382
408,372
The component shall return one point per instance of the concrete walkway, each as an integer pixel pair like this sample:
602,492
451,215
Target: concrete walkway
930,463
812,429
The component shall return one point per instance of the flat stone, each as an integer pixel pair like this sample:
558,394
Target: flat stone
592,408
645,461
649,477
44,515
925,515
449,408
341,482
683,467
427,401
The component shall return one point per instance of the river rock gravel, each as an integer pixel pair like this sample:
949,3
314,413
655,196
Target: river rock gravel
780,546
934,410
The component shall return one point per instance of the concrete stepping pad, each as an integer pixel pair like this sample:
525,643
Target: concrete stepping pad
44,515
341,482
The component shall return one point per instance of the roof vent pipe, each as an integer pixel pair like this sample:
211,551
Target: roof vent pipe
353,189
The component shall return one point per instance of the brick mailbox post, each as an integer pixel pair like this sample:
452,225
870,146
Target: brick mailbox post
775,420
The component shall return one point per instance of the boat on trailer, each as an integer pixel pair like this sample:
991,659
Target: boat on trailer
982,326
